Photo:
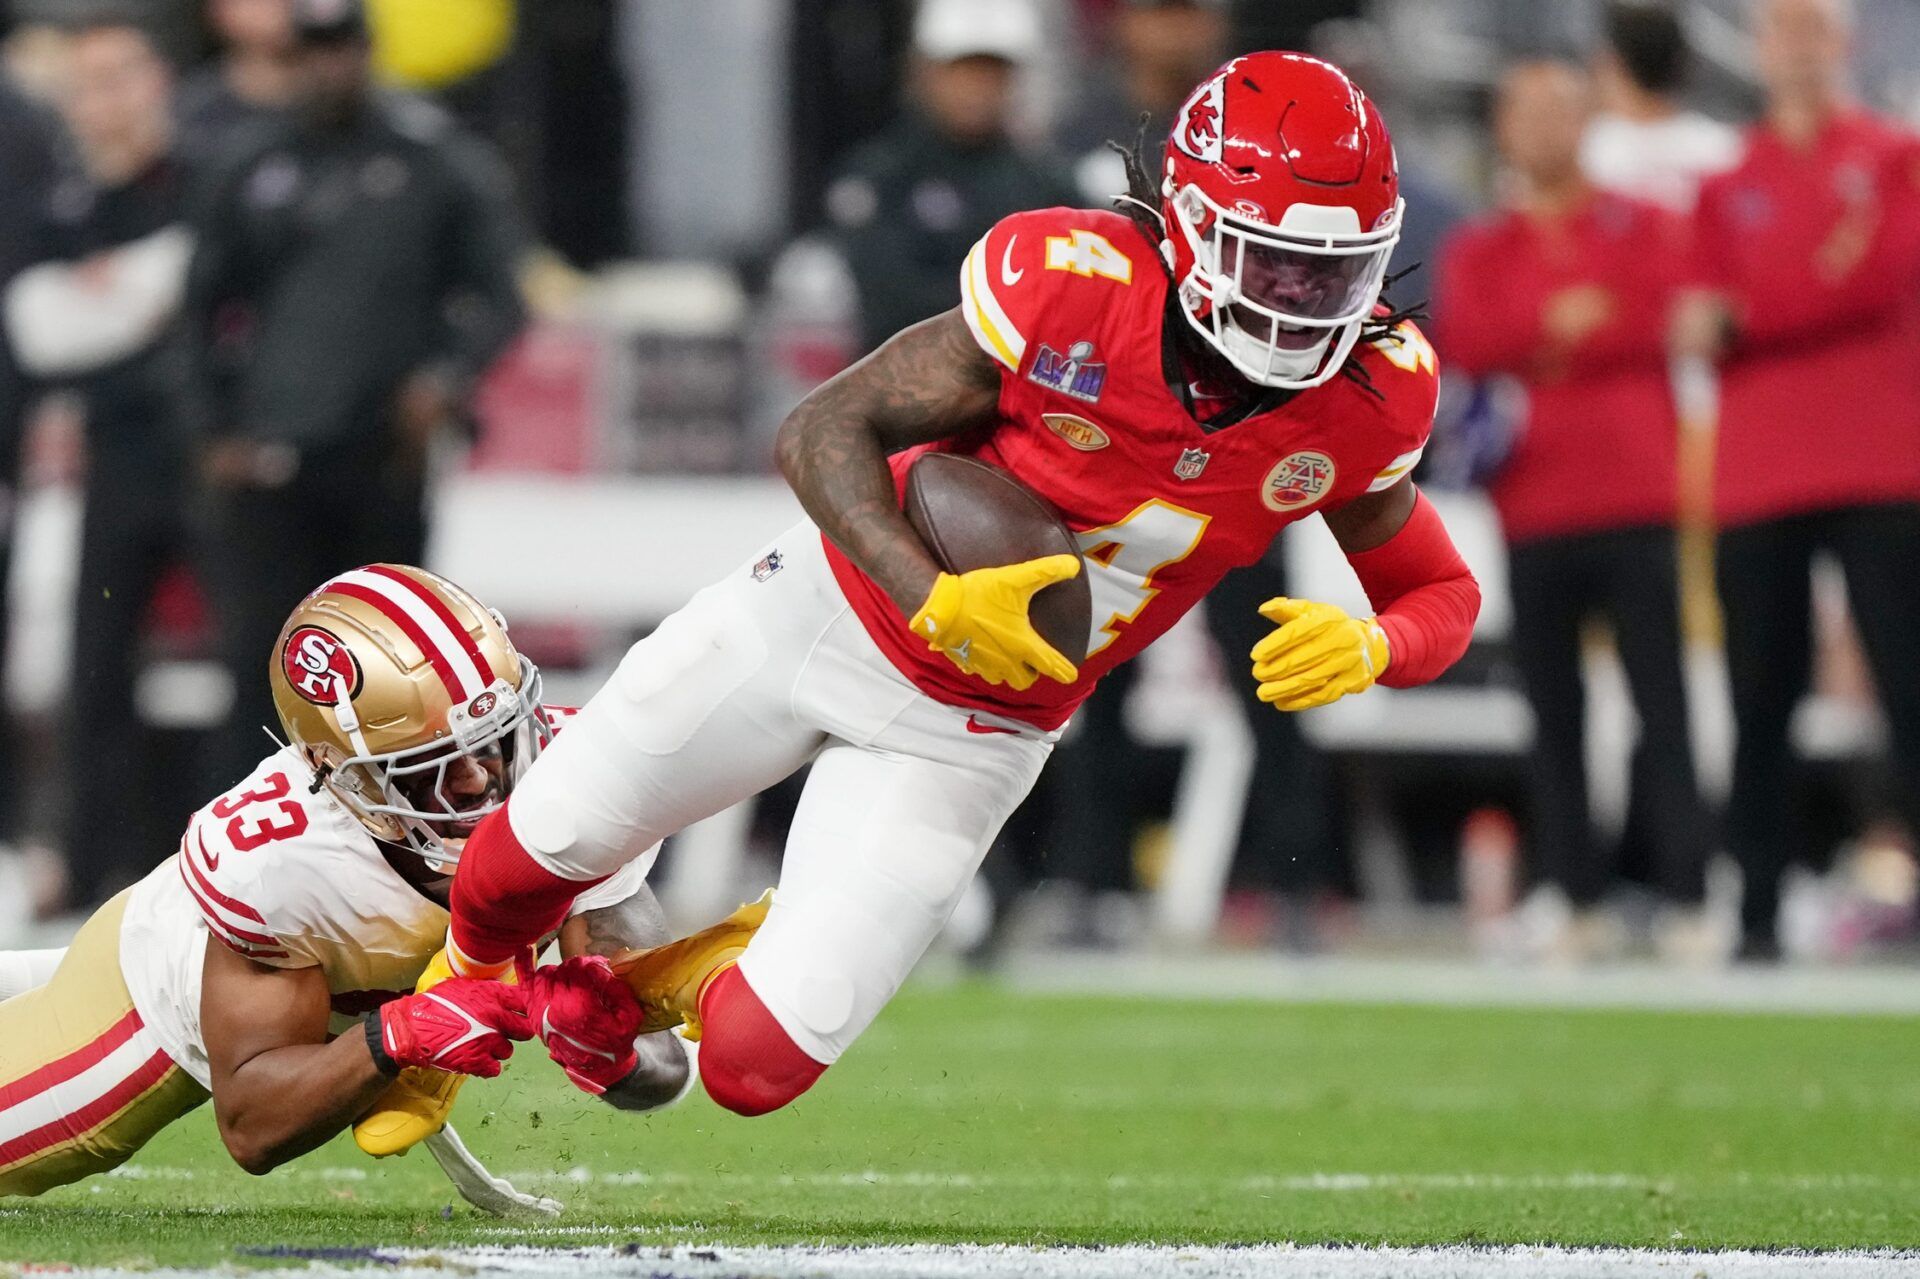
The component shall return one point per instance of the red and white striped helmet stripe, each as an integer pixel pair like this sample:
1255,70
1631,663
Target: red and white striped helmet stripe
426,620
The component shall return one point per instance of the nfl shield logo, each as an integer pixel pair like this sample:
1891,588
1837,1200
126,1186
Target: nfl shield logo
767,566
1191,463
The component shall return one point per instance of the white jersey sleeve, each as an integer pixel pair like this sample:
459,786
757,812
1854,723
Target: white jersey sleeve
251,898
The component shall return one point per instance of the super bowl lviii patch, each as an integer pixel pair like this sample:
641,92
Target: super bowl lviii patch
1076,373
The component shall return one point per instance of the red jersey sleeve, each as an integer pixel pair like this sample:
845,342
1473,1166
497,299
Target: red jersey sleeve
1020,270
1405,371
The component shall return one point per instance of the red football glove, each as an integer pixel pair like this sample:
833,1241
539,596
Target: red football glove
463,1025
586,1017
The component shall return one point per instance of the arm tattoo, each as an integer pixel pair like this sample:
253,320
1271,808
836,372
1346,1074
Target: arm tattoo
930,382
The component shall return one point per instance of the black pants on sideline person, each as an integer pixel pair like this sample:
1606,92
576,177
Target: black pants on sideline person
130,535
268,547
1764,575
1629,579
1288,840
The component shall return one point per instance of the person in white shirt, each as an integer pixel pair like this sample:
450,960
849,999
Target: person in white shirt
1644,143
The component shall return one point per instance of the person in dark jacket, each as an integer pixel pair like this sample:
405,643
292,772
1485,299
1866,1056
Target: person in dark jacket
354,276
91,317
30,156
911,202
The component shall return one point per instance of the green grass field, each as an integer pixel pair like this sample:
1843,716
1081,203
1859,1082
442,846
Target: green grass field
972,1115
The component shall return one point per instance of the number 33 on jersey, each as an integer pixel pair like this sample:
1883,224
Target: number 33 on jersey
1070,304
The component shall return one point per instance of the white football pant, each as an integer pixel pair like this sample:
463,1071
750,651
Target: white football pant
752,679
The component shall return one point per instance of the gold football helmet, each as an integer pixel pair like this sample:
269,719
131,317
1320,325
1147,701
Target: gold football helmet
410,702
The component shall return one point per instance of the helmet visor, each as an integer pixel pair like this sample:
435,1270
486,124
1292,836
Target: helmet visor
1299,284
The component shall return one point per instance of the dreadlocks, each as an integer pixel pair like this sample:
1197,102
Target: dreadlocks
1141,205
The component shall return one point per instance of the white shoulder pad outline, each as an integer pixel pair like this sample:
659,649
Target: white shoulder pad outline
987,320
1396,470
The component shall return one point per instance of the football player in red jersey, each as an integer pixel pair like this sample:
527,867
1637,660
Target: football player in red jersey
1181,383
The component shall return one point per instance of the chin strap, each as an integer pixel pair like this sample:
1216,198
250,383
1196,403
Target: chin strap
344,715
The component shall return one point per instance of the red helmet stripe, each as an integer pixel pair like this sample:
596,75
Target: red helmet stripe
445,614
393,612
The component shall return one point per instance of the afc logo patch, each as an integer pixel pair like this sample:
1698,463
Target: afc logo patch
1200,129
1297,480
314,661
1076,373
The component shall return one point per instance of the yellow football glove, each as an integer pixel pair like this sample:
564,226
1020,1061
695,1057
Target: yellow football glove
1319,654
979,620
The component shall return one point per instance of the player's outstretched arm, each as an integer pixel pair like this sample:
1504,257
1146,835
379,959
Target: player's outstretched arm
1425,602
929,382
662,1071
281,1087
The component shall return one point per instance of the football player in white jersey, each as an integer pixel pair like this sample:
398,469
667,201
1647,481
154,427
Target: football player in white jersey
271,962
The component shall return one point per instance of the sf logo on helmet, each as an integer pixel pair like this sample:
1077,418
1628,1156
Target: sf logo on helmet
315,661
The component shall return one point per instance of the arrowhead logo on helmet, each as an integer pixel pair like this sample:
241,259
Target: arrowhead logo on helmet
315,661
1199,130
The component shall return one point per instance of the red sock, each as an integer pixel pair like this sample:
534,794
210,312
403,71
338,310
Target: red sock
503,900
747,1062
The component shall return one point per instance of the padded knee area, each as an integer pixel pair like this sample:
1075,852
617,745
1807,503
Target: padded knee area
747,1062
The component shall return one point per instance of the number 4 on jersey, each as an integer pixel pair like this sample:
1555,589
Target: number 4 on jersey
1123,557
1087,253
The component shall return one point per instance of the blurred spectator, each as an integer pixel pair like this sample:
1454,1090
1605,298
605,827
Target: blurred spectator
92,317
1644,142
353,277
249,82
30,158
911,202
1159,49
1812,251
1568,291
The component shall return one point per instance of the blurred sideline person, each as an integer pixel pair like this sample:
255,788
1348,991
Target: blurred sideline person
1568,291
911,202
1810,249
353,277
31,159
94,317
1156,50
270,962
248,84
1644,142
1180,408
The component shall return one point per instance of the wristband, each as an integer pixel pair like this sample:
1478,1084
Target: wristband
382,1061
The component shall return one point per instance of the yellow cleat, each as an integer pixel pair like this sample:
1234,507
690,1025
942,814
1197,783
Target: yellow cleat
413,1108
668,980
416,1104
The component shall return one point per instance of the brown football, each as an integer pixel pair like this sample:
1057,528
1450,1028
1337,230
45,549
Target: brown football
973,515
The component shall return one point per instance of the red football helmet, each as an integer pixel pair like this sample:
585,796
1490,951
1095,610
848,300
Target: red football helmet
1282,205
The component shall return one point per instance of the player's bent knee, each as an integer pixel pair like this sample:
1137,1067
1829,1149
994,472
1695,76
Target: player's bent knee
748,1064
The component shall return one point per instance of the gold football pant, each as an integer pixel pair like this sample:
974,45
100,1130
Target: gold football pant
83,1084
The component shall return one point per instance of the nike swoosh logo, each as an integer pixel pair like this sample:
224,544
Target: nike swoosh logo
975,726
1009,276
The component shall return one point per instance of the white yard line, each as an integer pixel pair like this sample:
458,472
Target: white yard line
1251,1184
642,1261
1466,983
